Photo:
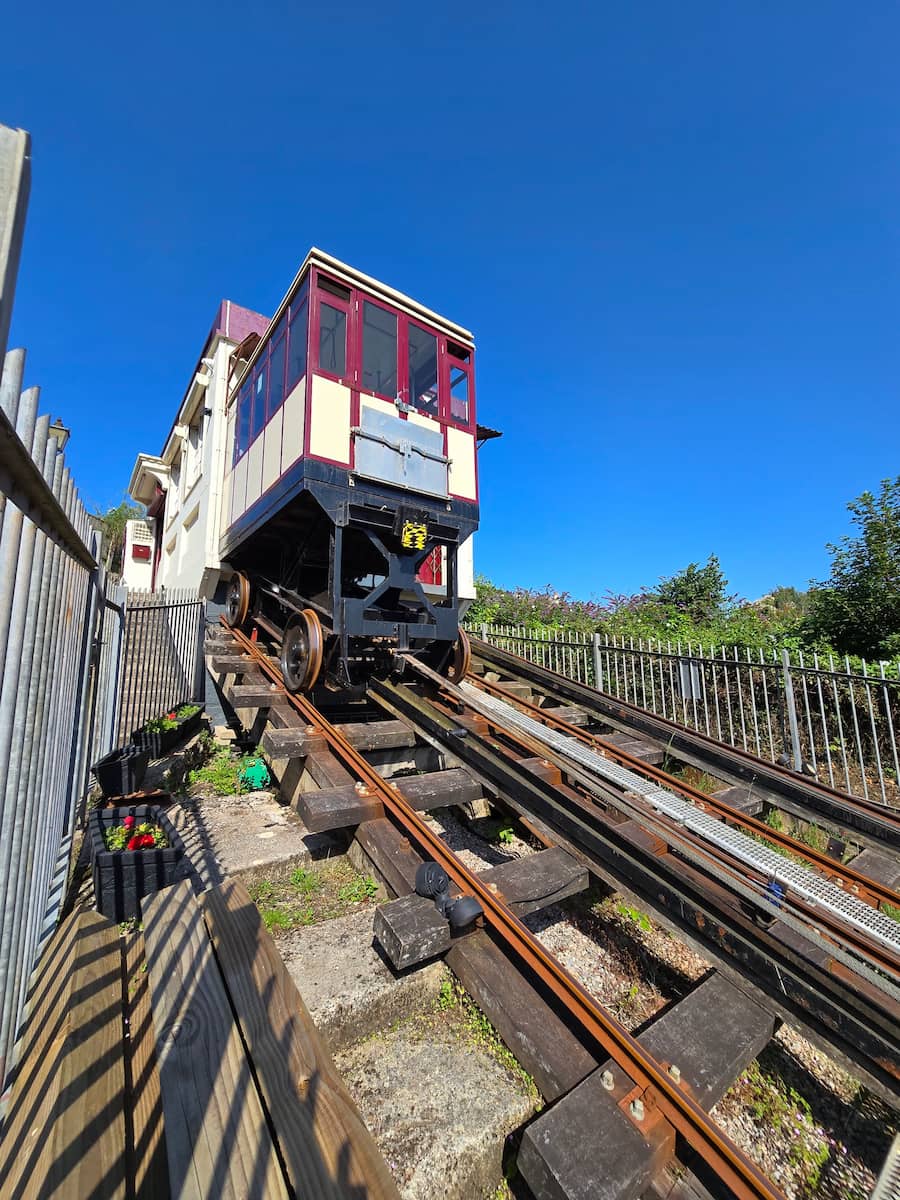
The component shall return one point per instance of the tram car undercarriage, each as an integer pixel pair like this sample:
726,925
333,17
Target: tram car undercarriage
356,415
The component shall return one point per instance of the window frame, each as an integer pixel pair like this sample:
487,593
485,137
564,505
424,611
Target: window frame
438,414
362,298
451,360
301,297
279,338
262,366
320,297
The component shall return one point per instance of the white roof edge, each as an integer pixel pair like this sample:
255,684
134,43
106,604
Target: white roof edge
152,464
351,276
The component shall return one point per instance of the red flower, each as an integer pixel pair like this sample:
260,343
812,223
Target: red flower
147,840
170,716
134,843
128,822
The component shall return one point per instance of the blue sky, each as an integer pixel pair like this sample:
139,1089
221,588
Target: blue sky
673,229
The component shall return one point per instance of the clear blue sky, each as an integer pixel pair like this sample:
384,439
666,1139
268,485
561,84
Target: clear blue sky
672,227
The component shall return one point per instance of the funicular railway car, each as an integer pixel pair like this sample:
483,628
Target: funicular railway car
351,479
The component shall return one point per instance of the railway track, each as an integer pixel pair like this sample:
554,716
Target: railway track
864,821
843,995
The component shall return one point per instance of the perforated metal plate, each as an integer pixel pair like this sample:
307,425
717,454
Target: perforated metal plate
801,879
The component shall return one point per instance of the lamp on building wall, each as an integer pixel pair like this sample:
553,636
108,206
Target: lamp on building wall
61,433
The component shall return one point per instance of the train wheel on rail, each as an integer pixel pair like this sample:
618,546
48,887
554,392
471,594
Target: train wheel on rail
458,666
302,648
237,603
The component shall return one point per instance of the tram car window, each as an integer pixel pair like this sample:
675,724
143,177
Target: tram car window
351,490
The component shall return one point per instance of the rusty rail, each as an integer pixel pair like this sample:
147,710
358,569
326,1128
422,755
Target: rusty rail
658,1090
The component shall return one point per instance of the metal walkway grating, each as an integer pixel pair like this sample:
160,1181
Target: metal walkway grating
801,879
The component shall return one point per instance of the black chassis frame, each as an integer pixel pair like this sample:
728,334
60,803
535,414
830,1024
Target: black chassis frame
378,511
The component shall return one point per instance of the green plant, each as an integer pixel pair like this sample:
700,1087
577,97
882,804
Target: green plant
359,890
446,996
262,891
160,724
304,881
276,918
221,773
890,910
636,916
187,710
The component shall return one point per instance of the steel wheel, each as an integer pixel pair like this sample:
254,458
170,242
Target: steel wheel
458,667
302,647
237,604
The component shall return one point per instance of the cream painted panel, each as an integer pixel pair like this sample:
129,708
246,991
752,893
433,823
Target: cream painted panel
254,472
272,450
426,422
294,409
461,452
227,497
382,406
239,474
329,420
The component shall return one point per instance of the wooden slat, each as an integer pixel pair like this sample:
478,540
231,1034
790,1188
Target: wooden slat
362,735
64,1137
217,1141
327,1150
336,808
148,1171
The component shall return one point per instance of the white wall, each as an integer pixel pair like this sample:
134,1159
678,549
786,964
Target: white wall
193,503
137,573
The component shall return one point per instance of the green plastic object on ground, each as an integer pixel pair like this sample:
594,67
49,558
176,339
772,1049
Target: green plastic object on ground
255,774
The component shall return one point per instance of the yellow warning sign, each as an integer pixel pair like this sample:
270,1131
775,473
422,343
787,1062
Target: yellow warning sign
413,535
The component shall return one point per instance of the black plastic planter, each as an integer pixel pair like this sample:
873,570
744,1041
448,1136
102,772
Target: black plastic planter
122,772
166,740
122,878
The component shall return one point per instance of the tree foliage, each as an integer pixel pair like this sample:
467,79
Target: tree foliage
698,591
112,526
857,610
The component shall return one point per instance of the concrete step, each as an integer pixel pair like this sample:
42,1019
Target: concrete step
349,989
439,1107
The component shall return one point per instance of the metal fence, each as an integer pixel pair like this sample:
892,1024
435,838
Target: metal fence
819,716
163,662
54,715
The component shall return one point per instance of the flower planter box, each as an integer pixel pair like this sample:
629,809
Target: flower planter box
123,877
166,740
122,771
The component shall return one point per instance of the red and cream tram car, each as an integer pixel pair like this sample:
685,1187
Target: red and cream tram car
351,478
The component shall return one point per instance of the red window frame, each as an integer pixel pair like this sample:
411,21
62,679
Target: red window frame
362,298
451,361
351,349
437,415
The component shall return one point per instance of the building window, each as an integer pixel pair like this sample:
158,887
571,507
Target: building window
258,410
195,449
423,370
276,373
332,340
297,341
379,356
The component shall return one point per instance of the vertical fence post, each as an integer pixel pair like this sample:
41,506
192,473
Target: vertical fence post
598,667
791,707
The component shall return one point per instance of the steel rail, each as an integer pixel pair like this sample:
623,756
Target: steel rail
877,820
839,1010
860,885
684,1114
